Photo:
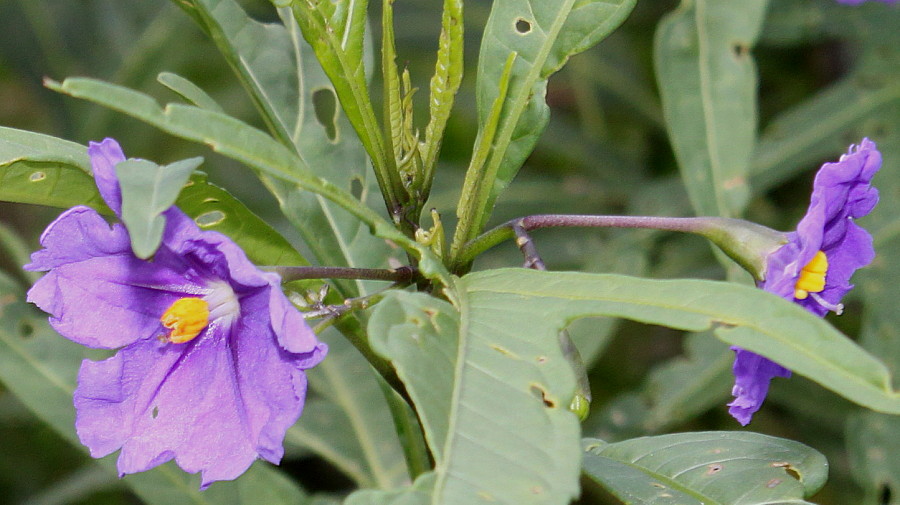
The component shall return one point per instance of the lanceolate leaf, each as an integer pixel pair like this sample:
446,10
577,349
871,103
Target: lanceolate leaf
336,30
212,207
41,169
543,35
492,386
707,79
706,468
739,315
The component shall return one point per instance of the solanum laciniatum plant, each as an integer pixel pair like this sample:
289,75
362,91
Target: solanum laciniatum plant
448,252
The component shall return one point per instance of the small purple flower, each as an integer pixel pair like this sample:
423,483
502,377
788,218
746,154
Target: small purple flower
814,267
210,369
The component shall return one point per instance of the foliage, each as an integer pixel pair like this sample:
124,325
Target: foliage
330,129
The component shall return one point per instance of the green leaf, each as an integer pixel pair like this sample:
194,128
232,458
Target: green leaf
336,154
235,139
260,56
148,190
290,90
739,315
706,468
543,35
489,397
349,424
189,91
41,169
336,30
707,79
873,441
40,368
211,207
492,386
448,74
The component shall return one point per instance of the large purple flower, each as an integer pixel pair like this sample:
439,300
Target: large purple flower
212,359
814,267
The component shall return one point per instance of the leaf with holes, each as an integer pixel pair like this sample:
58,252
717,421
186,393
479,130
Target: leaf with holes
148,190
40,169
707,80
335,31
40,368
240,141
211,207
720,468
492,386
543,35
325,139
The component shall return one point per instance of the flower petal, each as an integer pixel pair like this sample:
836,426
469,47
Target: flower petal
104,157
752,374
214,404
97,292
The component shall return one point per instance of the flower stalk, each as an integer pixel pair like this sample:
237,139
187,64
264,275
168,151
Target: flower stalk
747,243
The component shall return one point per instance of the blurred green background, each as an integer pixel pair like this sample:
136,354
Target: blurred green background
828,76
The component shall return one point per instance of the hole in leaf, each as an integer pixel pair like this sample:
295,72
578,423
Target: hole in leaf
788,468
713,469
325,104
740,50
772,483
542,359
155,412
26,329
523,26
210,218
539,393
356,188
37,176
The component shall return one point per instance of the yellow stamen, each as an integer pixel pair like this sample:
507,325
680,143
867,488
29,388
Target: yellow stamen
186,318
812,277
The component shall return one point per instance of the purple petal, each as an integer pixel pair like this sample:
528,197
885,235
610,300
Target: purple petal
752,374
104,157
78,234
97,292
214,404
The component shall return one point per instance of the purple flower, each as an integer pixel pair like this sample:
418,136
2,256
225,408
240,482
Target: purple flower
212,359
814,267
